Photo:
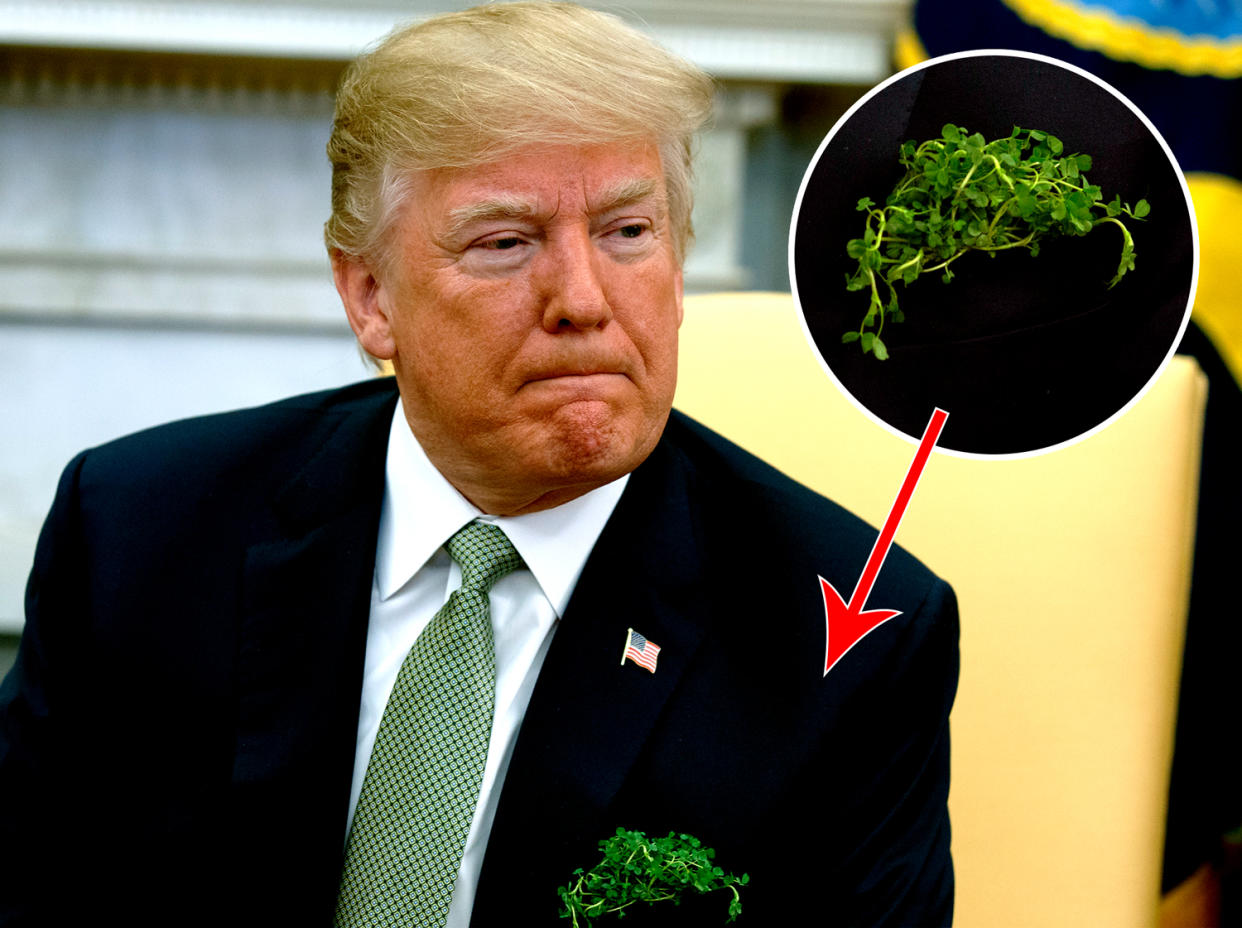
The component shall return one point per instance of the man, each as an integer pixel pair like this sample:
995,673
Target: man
226,657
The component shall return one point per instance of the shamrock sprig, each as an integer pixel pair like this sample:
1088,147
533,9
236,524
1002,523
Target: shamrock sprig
637,869
962,193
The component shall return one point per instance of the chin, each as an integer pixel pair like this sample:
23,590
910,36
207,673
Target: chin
593,444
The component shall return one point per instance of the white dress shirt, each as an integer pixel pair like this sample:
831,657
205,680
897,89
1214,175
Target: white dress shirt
414,577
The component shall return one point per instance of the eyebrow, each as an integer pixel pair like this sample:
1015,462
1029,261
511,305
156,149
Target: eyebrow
493,208
619,195
626,192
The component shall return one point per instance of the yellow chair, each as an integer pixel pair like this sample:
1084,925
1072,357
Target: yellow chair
1072,574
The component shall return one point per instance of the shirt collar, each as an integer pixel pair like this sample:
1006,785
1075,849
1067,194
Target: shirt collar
422,510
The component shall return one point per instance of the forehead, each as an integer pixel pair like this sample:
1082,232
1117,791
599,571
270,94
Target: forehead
577,178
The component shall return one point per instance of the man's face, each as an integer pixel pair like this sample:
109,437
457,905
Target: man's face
530,308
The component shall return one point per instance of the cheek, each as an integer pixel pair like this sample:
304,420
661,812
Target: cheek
652,292
466,332
668,368
658,347
660,322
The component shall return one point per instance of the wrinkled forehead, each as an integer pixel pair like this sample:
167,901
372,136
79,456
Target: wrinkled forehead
542,181
503,205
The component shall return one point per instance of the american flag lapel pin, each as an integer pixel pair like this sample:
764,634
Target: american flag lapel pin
641,651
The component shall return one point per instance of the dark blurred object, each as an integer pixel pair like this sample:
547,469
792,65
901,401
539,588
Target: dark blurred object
1181,68
1195,112
1205,789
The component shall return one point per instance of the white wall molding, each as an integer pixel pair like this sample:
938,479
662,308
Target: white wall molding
805,40
281,30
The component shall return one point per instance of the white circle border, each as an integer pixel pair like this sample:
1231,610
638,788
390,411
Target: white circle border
999,53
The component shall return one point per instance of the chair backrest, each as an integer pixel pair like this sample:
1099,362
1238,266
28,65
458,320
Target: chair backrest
1072,574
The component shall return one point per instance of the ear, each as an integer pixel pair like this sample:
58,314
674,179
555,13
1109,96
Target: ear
362,294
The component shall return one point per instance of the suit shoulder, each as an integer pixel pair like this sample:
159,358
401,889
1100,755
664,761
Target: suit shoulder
220,469
221,442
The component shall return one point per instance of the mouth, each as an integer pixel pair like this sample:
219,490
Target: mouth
576,372
570,385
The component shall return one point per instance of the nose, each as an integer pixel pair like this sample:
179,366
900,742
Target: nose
571,278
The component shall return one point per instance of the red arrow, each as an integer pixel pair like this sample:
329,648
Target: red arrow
848,624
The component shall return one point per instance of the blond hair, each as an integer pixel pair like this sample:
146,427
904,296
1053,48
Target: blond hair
467,88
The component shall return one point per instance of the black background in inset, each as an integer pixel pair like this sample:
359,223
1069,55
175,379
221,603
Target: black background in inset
1023,352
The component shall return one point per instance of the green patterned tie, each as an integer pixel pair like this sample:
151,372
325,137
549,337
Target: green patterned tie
422,782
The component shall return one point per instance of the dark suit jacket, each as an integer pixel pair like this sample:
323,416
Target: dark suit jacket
177,737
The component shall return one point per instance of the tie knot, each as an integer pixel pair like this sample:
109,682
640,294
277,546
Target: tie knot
485,555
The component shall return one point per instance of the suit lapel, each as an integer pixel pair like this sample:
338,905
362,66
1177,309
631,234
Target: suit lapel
589,715
305,602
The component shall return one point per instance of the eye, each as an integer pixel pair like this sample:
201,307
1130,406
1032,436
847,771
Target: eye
629,234
500,252
628,238
502,244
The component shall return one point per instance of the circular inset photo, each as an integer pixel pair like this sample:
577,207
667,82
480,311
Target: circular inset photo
1003,236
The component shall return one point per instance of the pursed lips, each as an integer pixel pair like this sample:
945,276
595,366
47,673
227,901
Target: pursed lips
597,368
553,375
583,383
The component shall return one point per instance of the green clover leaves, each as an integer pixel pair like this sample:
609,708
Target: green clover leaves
962,193
636,869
